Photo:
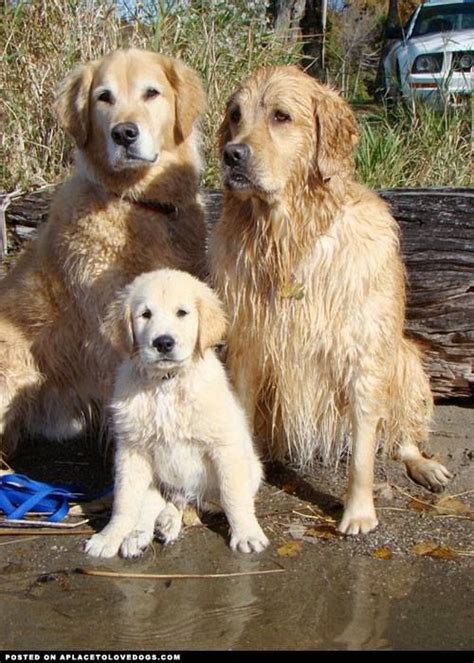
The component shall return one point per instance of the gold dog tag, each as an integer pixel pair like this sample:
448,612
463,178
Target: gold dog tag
292,290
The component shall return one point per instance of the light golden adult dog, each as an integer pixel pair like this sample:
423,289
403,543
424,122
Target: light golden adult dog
180,434
130,206
309,267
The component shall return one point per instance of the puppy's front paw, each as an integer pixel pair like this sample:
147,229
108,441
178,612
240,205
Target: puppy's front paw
250,539
358,519
136,544
169,523
101,545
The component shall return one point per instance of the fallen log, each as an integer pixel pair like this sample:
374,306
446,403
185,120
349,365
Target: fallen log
437,236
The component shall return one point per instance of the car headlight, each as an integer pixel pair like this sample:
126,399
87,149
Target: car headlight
428,64
463,60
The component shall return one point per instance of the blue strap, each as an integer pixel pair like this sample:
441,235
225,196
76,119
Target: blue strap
20,495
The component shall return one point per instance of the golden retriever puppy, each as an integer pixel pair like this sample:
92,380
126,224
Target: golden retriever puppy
308,264
181,435
131,205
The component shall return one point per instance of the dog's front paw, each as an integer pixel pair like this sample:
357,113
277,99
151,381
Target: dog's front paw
250,539
169,523
358,519
101,545
136,544
429,473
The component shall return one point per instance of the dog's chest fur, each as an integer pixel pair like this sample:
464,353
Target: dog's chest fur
166,418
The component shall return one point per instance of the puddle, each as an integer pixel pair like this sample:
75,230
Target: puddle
321,602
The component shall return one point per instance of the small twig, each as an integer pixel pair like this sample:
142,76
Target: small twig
22,531
466,492
416,499
28,538
174,576
35,524
451,515
326,519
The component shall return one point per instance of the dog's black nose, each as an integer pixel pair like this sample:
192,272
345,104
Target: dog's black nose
125,133
164,343
236,154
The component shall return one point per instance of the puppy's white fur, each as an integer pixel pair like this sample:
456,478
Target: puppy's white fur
181,435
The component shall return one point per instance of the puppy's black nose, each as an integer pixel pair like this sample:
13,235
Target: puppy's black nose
125,133
164,343
236,154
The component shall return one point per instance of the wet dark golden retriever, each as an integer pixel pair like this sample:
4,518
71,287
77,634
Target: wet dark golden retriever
308,263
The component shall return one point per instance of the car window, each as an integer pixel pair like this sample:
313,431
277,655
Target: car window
444,19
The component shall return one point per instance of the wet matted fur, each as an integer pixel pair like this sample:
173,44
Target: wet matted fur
308,264
131,205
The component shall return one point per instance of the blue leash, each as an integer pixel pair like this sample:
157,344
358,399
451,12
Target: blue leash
19,495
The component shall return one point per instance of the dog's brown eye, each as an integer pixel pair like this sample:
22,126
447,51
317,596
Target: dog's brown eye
146,314
235,115
151,93
106,97
281,116
181,312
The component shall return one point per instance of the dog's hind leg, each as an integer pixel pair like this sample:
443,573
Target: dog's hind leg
20,383
136,543
169,523
411,416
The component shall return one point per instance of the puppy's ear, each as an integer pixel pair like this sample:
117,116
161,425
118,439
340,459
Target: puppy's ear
191,98
337,134
72,102
117,325
212,319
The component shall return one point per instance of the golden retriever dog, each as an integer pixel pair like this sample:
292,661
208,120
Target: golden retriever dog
308,264
180,434
131,205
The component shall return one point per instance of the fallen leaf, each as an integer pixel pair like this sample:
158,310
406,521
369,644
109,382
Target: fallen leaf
447,504
382,553
190,517
290,549
432,549
289,488
419,506
443,553
324,532
424,548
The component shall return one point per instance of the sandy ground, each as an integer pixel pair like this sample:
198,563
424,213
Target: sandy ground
405,586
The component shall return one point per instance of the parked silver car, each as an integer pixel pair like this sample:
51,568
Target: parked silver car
433,58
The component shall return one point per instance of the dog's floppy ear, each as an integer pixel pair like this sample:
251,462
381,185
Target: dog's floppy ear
117,325
72,102
190,95
212,319
223,133
337,134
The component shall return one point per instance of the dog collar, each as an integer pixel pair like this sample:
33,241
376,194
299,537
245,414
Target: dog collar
164,208
153,205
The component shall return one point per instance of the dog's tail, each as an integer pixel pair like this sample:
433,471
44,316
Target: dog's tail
410,402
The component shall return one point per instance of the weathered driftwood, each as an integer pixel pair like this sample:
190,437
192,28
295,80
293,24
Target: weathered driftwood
437,232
